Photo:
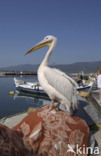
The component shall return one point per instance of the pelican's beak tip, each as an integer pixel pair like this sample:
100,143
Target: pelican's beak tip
25,53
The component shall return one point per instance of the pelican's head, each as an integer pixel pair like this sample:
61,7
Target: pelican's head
47,41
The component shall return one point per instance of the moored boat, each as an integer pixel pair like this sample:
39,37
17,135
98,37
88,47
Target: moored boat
29,87
34,87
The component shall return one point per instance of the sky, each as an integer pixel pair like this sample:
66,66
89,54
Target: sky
75,23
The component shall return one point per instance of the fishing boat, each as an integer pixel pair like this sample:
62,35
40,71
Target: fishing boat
28,87
85,87
34,87
21,94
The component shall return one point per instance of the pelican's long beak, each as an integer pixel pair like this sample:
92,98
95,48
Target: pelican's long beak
41,44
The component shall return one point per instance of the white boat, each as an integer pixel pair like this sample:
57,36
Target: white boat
34,87
86,87
29,87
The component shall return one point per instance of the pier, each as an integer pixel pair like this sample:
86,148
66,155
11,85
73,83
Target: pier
18,73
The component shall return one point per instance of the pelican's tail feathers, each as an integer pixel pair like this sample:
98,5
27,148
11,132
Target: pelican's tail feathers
74,101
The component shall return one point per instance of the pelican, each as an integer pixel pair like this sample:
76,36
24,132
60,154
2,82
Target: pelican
60,87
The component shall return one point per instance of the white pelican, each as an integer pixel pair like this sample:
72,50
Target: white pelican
60,87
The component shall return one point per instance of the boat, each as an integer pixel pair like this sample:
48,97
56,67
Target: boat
35,88
85,87
29,87
21,94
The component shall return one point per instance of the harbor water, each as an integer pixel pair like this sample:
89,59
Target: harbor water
10,105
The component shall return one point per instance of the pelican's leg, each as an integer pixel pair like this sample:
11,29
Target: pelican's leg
74,101
74,106
51,105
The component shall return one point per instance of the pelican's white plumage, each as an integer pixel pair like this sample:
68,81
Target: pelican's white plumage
59,86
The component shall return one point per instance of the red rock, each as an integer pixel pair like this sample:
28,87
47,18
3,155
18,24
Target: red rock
48,133
11,143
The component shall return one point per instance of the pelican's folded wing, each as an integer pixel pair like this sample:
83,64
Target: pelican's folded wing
66,76
60,81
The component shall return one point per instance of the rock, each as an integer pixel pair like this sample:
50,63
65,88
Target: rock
11,143
98,139
31,109
51,133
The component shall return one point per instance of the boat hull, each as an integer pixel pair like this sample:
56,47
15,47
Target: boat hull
31,91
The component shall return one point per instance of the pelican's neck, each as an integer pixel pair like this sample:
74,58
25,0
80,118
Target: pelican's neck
48,54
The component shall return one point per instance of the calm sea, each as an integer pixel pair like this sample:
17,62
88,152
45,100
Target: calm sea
10,105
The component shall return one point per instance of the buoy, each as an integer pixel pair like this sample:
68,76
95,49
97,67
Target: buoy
11,93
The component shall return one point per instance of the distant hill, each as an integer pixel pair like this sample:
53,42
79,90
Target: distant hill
68,68
80,66
21,67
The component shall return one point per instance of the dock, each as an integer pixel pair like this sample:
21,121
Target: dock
93,110
16,73
13,120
